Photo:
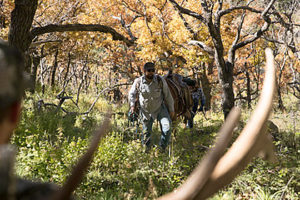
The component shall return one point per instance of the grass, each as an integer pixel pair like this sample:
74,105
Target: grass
50,143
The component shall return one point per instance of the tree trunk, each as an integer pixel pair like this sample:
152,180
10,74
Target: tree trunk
66,80
206,87
54,69
225,69
19,31
35,62
280,102
225,73
210,68
248,89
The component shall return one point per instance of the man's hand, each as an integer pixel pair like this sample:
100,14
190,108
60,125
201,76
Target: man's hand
172,115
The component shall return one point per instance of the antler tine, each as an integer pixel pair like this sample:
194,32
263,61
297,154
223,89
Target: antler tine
201,174
251,140
215,172
80,168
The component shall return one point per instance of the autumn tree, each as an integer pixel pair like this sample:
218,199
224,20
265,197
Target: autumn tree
22,34
84,40
285,42
212,15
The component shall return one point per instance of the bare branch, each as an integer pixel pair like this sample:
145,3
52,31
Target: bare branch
260,32
265,12
257,35
220,6
187,25
238,34
145,16
203,46
131,9
188,12
37,43
292,47
229,10
231,52
127,27
80,27
167,35
282,21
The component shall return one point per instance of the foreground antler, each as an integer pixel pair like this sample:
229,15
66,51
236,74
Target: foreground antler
216,171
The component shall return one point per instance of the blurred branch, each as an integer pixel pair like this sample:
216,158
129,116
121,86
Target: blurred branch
80,27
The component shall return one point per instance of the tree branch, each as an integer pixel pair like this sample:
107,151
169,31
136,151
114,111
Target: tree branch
34,44
264,13
80,27
260,32
187,25
292,47
203,46
166,33
238,34
227,11
188,12
127,27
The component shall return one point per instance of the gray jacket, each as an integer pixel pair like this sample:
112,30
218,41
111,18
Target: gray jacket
151,96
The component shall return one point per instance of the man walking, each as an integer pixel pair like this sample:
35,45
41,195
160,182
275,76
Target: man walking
198,97
155,102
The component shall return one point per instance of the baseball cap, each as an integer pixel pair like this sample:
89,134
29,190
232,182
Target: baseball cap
149,65
12,77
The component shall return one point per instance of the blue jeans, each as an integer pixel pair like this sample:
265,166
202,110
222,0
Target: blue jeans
165,125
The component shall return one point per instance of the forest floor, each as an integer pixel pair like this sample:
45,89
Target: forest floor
50,142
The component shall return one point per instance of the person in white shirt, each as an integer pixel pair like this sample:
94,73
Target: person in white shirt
155,102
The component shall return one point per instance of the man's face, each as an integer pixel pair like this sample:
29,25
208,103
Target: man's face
149,73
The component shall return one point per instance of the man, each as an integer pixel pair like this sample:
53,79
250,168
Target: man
11,91
155,101
197,96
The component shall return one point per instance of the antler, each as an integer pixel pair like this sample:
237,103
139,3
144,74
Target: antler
216,171
80,168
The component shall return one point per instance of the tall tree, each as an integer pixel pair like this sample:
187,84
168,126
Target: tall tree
175,35
211,16
21,33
